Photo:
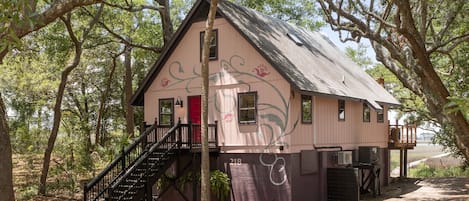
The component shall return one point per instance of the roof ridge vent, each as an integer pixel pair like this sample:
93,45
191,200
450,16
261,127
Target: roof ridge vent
295,39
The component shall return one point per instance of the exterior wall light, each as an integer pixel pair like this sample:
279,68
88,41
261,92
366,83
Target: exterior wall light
179,102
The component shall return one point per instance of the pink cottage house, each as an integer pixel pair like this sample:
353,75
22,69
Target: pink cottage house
293,118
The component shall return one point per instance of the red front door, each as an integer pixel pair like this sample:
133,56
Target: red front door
194,117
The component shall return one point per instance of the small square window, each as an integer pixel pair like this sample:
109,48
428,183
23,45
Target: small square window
247,107
166,110
366,113
307,109
341,110
213,51
380,115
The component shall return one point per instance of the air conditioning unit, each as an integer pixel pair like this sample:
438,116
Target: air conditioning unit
344,157
368,154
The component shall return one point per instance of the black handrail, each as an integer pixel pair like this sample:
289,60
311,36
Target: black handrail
189,129
164,141
156,135
112,172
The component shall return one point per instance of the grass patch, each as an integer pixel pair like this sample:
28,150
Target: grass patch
427,171
419,152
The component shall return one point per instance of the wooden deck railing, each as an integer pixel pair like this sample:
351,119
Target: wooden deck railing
402,136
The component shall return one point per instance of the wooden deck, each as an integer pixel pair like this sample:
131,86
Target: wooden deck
402,136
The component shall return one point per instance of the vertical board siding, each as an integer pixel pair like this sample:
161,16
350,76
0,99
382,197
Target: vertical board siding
239,68
353,131
302,136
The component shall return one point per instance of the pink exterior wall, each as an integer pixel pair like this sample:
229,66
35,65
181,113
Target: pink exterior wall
327,130
239,68
352,132
302,137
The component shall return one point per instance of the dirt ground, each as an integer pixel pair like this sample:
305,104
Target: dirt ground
425,189
407,189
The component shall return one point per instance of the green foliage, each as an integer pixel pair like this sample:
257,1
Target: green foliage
28,192
359,56
219,182
446,138
426,171
412,105
459,104
302,12
11,15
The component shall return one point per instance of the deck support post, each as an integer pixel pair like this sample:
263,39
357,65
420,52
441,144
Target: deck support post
401,163
405,163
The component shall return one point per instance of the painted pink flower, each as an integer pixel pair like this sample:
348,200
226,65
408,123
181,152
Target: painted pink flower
164,82
228,117
261,70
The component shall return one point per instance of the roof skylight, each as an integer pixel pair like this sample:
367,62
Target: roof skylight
295,39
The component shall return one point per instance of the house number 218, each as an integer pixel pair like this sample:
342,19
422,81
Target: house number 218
236,161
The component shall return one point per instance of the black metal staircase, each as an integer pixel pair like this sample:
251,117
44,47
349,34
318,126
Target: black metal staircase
132,174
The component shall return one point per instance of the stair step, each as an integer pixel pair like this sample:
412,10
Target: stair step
122,198
131,192
127,186
128,180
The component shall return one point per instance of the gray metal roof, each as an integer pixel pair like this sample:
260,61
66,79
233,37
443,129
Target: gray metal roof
313,64
307,59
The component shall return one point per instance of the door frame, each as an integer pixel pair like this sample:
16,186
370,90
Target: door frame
189,106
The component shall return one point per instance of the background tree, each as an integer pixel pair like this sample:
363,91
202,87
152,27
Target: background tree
75,61
18,19
300,12
32,109
95,112
418,42
6,177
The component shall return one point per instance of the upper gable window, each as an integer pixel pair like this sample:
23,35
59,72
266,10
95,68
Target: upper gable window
380,115
247,107
341,110
366,113
166,109
307,109
213,46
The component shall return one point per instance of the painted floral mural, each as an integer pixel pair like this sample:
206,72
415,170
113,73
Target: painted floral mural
273,118
261,70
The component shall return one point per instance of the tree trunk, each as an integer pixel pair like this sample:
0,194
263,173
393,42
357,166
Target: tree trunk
58,108
166,20
102,104
86,128
403,36
42,19
205,163
6,166
129,110
56,124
